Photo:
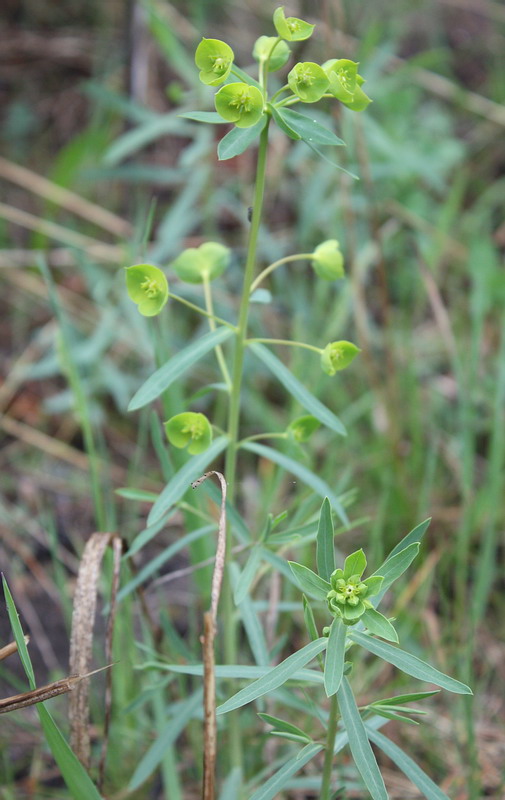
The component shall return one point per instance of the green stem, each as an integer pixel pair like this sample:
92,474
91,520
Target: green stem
267,435
287,342
212,325
288,101
271,267
230,633
199,310
284,88
330,746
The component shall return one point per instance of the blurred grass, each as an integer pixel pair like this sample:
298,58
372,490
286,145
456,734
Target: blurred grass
422,231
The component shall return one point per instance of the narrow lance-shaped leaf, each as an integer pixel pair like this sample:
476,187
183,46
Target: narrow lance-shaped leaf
177,366
325,549
238,140
309,582
355,564
306,475
283,726
379,625
275,678
335,657
247,576
393,567
308,129
358,742
182,480
409,663
278,781
297,389
409,768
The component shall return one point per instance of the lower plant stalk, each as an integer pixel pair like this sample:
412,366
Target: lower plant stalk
230,633
331,734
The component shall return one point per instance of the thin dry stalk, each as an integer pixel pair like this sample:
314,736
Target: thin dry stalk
42,693
10,648
209,623
81,637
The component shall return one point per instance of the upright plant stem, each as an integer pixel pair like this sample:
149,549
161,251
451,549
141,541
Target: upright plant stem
230,637
330,745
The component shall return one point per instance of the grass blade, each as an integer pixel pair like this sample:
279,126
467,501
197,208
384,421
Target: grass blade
276,783
409,663
73,773
275,677
359,744
177,366
298,390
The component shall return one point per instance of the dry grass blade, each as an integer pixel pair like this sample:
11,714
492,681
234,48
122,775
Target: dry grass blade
81,638
209,623
63,197
9,649
42,693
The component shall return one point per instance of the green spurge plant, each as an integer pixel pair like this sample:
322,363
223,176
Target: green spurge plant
343,598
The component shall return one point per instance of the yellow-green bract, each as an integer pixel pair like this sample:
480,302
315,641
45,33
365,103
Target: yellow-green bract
195,264
239,103
328,261
302,428
308,81
190,430
337,356
291,28
214,59
148,287
345,83
278,51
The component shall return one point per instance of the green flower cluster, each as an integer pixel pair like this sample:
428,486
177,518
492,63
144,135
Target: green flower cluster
349,596
245,103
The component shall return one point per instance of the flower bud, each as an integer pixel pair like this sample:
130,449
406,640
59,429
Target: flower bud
328,261
239,103
214,59
195,264
337,356
148,287
279,56
291,28
308,81
302,428
189,430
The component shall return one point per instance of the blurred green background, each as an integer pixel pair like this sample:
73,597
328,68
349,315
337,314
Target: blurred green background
89,99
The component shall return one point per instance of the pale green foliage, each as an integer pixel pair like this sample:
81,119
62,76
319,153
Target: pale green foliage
147,287
214,58
328,260
239,103
207,262
291,28
190,430
337,356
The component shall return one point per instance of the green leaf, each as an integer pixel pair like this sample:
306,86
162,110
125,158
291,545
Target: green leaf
379,625
306,475
325,549
308,129
177,366
182,480
330,160
355,564
282,725
415,535
130,493
393,567
238,671
387,714
409,663
405,698
335,657
413,772
271,788
78,782
310,622
211,117
238,140
297,389
282,124
309,582
252,626
359,744
276,677
167,736
247,575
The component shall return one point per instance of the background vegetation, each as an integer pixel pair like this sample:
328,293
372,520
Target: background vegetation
90,94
